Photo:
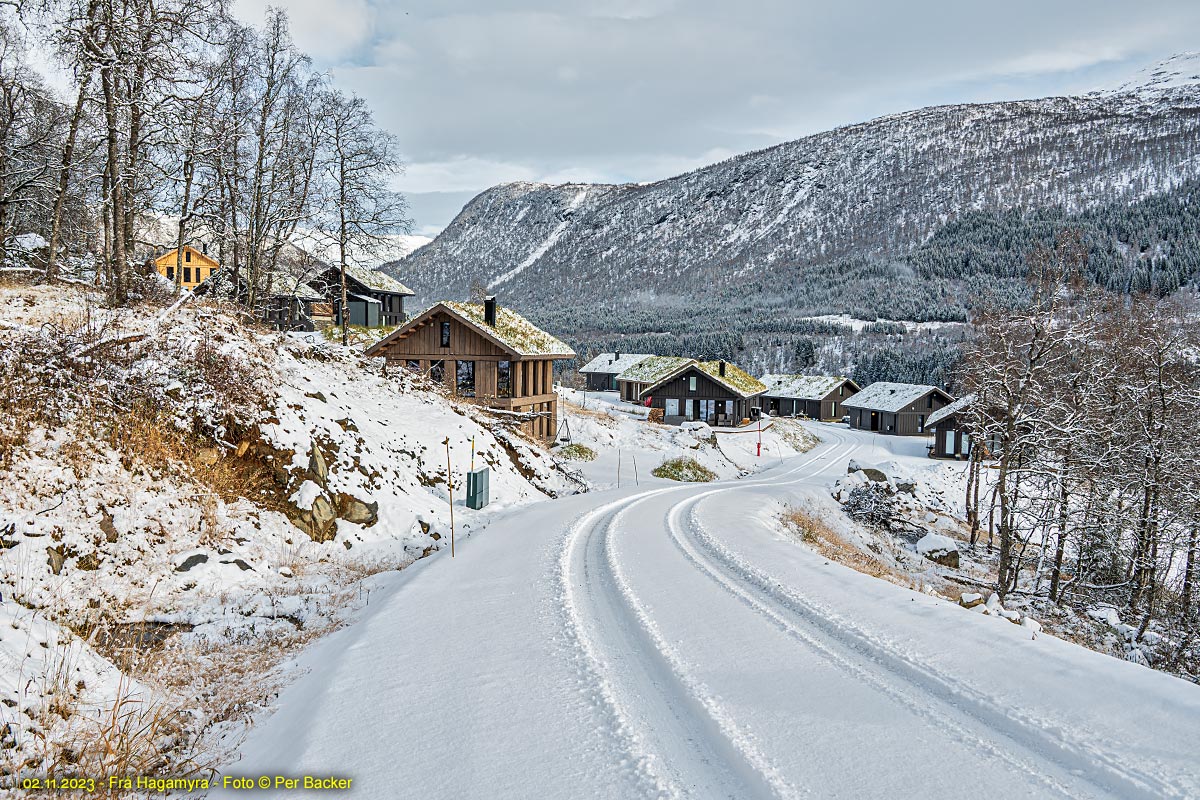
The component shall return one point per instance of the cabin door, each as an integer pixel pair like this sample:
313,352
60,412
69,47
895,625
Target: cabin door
874,420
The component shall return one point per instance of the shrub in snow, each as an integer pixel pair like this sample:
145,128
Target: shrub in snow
871,504
576,452
684,469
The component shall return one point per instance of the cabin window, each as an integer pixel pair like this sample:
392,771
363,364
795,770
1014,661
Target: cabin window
437,371
834,408
187,256
170,273
464,378
672,409
708,409
929,401
921,423
445,334
412,365
504,386
692,384
187,274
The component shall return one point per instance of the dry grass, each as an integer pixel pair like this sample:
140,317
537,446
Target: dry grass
146,438
825,540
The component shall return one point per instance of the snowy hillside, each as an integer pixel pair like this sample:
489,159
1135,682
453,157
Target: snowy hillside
876,188
187,501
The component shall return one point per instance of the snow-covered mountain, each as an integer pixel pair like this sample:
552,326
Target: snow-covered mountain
873,189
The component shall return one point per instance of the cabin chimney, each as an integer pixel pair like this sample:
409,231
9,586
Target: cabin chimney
489,310
721,369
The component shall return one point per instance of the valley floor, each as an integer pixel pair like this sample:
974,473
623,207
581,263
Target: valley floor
667,640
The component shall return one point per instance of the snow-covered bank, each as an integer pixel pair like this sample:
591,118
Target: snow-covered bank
186,501
628,447
669,640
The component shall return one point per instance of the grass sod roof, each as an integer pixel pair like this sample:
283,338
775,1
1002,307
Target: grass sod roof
890,397
614,362
735,378
516,332
947,411
801,387
374,279
655,368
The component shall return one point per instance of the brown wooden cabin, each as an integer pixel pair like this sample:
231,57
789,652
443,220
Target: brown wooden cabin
601,372
373,298
820,397
484,352
896,409
715,392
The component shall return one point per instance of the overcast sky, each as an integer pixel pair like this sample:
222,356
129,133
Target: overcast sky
481,92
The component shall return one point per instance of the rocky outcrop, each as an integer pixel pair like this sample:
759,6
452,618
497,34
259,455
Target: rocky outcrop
352,509
939,549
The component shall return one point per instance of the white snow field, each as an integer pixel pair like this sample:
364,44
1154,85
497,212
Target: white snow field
671,640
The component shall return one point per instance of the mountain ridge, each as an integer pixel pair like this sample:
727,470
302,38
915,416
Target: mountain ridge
873,189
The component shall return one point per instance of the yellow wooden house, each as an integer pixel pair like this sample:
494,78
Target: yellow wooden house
196,266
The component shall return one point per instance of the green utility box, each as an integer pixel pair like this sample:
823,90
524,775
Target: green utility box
477,488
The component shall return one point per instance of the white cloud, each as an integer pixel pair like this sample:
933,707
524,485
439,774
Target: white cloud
463,173
327,31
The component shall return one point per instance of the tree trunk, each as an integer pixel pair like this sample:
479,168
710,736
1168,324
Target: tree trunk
119,287
64,177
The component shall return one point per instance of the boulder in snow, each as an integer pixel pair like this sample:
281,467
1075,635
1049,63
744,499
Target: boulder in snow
970,600
352,509
869,471
939,549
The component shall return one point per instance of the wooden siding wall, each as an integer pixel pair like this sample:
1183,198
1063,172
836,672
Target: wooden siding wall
601,381
532,378
906,422
736,406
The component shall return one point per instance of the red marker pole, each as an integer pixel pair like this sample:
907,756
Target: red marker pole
760,435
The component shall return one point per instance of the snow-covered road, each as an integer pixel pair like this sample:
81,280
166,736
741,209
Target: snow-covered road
673,641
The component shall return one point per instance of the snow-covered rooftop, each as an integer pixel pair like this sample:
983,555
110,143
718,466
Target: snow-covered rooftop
955,407
513,330
614,362
655,368
801,387
889,397
735,378
374,279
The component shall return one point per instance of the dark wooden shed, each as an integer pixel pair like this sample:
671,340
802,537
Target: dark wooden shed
897,409
814,396
601,372
374,299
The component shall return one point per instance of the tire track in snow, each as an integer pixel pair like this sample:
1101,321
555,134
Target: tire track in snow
677,737
894,672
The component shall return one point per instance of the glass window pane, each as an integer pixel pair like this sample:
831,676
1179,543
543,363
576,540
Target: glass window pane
465,378
672,409
437,372
504,379
445,334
